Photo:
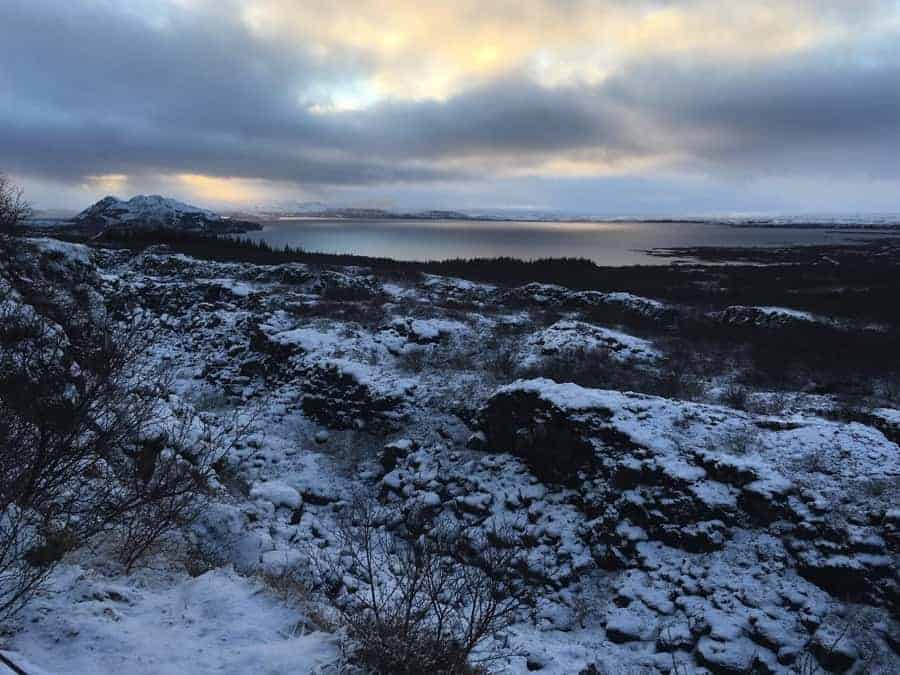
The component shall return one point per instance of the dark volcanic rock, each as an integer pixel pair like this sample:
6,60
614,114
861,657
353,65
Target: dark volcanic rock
554,443
726,658
833,648
395,451
338,398
642,494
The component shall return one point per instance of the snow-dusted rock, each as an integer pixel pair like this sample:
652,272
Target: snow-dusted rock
646,479
343,394
277,493
550,295
569,336
395,451
646,533
766,317
628,624
428,331
834,648
727,658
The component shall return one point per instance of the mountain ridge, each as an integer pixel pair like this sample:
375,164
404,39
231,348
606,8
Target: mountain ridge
156,211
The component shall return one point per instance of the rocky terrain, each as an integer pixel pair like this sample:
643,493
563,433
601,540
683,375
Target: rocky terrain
703,525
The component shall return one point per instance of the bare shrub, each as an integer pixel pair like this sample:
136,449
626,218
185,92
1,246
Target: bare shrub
171,470
288,585
807,664
773,403
889,389
369,314
678,377
88,443
851,407
417,358
57,427
13,207
736,396
336,293
425,601
502,361
198,559
585,367
413,359
454,357
595,368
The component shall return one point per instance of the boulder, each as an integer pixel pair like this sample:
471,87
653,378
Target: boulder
727,657
395,451
629,624
833,648
554,442
340,396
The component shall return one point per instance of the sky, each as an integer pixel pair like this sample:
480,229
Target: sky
614,107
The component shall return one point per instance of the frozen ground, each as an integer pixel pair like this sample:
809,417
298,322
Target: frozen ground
164,622
657,534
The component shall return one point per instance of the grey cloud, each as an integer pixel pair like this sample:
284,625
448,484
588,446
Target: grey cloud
88,91
106,93
513,115
95,92
789,115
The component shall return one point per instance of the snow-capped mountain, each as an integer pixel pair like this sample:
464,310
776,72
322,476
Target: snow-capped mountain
156,211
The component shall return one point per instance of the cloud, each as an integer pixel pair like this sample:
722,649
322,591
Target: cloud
437,50
232,99
821,112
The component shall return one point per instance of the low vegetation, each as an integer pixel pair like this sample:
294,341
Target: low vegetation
87,445
430,599
14,210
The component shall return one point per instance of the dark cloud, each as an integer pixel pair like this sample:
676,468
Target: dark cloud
89,90
512,115
820,112
106,93
95,92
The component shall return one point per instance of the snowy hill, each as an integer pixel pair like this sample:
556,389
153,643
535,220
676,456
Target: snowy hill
155,211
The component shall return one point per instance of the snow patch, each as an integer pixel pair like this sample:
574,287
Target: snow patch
216,623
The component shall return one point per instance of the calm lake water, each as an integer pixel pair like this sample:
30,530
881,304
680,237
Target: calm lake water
609,243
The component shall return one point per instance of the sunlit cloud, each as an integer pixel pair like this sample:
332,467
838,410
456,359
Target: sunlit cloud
221,190
421,51
112,183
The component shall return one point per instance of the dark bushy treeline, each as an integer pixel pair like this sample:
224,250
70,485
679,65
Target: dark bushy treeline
853,286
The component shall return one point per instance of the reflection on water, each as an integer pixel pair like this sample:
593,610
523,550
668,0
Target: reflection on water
609,243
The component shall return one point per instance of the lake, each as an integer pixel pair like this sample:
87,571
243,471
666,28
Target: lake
615,243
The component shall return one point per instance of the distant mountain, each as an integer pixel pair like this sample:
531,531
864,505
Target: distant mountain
321,210
155,211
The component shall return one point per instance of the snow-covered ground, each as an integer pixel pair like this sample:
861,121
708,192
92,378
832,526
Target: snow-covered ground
165,623
657,535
